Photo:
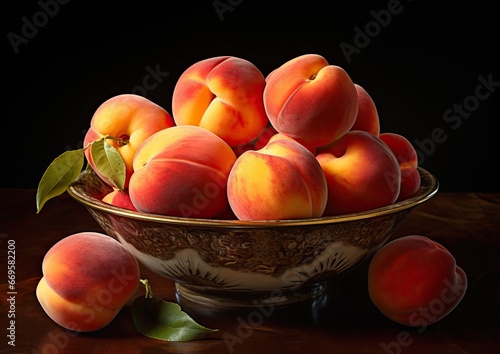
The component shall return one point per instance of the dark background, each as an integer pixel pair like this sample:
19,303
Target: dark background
424,60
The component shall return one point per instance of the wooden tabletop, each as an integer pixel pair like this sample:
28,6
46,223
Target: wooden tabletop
344,320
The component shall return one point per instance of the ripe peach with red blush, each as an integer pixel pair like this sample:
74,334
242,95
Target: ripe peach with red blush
88,278
120,199
129,119
311,100
222,94
408,162
367,118
361,171
182,171
283,180
415,281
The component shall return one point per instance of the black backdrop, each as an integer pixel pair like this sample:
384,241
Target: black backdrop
432,70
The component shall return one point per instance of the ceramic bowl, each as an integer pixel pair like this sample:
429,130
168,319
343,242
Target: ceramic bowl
235,263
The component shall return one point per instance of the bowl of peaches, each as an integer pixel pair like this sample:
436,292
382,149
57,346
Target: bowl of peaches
257,188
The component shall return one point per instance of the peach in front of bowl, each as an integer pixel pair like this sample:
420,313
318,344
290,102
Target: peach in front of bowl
87,279
415,281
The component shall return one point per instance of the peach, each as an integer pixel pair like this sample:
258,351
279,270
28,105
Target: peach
240,149
88,278
128,119
222,94
408,162
182,171
264,136
283,180
367,118
415,281
361,171
119,198
226,214
310,100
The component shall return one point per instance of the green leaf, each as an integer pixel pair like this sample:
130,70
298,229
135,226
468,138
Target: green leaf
159,319
62,171
109,162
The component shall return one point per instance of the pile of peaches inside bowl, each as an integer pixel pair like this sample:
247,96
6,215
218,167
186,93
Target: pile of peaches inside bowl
257,188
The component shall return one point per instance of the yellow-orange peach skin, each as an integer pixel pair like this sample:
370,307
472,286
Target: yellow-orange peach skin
87,279
283,180
361,171
310,100
182,171
223,95
132,118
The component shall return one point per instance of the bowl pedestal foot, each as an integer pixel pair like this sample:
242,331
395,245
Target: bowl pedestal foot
221,298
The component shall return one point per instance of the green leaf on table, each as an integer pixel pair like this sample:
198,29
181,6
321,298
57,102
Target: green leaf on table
109,162
62,171
159,319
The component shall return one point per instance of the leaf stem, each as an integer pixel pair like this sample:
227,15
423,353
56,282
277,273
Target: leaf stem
149,292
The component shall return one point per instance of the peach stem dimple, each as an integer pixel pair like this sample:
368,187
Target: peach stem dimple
121,141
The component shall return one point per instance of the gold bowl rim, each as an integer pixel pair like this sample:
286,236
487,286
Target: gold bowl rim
428,189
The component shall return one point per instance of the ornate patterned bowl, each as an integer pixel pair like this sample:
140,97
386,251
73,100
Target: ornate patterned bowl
235,263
